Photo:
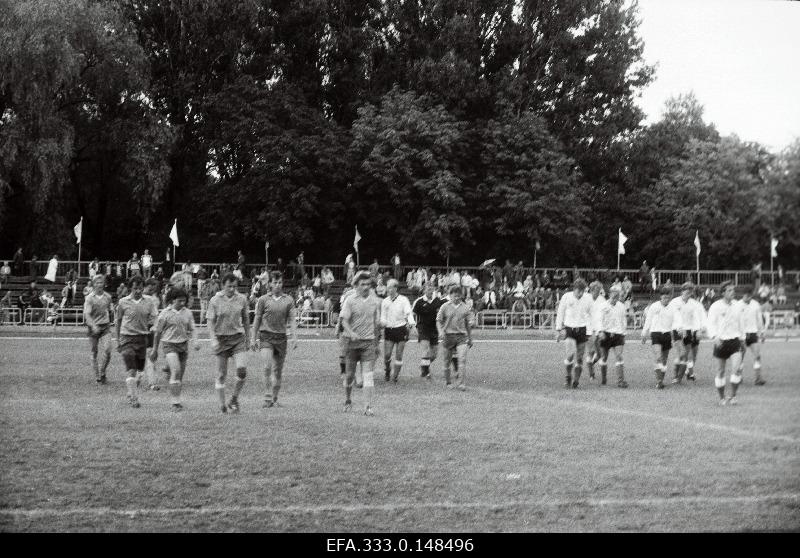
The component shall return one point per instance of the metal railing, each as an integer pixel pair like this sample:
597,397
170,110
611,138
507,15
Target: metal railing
295,272
9,315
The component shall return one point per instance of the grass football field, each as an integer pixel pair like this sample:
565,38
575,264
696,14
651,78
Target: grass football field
515,452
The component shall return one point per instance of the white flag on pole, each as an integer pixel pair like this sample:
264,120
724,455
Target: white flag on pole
356,239
78,230
774,248
622,240
173,234
697,241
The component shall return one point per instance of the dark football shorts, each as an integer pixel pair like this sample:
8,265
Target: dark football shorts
453,340
230,345
612,340
727,348
431,338
396,334
662,338
150,338
275,341
751,338
94,340
361,350
133,349
576,333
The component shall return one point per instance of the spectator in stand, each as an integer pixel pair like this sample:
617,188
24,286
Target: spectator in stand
410,277
528,284
308,291
549,299
780,273
29,298
240,263
764,292
5,306
301,264
490,300
33,270
644,276
305,282
466,284
253,277
797,312
755,276
120,271
519,272
68,294
668,284
560,279
318,304
547,281
187,281
442,281
207,291
19,263
94,269
350,268
202,277
497,276
169,265
316,284
134,266
396,269
654,278
508,271
122,291
373,268
380,287
5,272
781,294
327,281
147,264
627,288
617,285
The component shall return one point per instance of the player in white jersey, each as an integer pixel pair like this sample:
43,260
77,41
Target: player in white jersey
658,321
689,320
613,326
726,329
574,323
397,319
595,351
754,327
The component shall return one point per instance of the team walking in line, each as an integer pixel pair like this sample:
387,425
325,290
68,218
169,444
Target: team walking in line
592,327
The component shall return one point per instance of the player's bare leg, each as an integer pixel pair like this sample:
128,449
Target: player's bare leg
219,385
681,359
719,379
348,380
269,364
176,368
241,375
690,360
660,366
736,375
461,355
579,349
400,347
569,359
369,386
619,365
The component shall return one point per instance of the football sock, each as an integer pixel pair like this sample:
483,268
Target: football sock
130,383
719,383
220,389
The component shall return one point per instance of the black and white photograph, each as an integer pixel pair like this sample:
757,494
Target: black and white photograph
399,275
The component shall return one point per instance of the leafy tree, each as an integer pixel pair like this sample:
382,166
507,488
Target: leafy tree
407,181
76,134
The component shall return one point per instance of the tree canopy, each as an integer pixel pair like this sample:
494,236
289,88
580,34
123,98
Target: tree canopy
466,128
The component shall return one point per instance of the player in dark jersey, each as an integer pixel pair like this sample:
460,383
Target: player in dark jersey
426,308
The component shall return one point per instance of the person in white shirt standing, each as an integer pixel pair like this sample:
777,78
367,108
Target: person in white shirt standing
659,318
574,323
754,327
147,264
726,329
613,325
595,352
397,319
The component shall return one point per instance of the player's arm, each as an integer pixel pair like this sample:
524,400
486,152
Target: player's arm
255,343
192,333
292,320
383,308
409,316
647,319
87,316
560,311
763,323
120,311
159,330
211,319
712,325
246,323
344,317
377,318
468,327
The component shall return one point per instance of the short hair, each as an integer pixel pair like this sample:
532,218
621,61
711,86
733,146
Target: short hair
725,284
99,276
276,276
664,290
615,289
748,293
151,282
135,280
687,286
391,282
176,293
361,276
595,285
229,278
579,283
454,289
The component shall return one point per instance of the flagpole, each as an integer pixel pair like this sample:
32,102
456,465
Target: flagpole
534,260
79,248
771,261
697,262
